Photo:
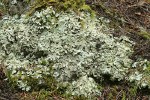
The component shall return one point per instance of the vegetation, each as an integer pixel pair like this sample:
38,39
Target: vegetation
63,50
61,5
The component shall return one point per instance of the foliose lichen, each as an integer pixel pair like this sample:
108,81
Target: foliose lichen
84,86
141,73
77,44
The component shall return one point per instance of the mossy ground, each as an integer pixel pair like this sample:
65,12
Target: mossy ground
111,90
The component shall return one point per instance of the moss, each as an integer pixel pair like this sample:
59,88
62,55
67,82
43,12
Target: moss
124,96
88,8
144,33
12,81
115,89
133,91
110,96
62,5
80,98
48,95
148,68
3,7
43,95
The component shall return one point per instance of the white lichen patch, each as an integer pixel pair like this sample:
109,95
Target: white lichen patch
77,44
84,86
21,72
141,73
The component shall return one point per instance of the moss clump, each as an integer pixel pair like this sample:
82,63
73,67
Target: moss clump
61,5
144,33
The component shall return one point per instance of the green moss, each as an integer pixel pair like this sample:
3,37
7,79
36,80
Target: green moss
110,96
124,96
3,7
80,98
148,68
61,5
133,91
12,81
144,33
43,95
88,8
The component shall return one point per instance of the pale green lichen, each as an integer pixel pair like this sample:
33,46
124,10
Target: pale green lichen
77,45
141,73
22,71
84,86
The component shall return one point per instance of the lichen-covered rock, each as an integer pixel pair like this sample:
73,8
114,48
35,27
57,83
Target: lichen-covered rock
77,44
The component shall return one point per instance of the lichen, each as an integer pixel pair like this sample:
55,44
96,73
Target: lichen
84,86
76,49
141,73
